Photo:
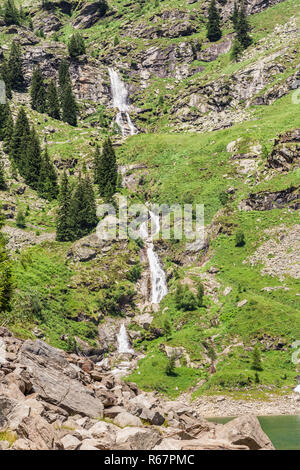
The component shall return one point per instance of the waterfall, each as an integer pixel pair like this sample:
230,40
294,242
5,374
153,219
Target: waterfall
158,277
123,342
120,101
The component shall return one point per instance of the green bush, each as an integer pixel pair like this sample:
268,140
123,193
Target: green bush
239,238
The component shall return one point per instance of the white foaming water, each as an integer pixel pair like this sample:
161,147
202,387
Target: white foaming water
123,342
120,95
158,277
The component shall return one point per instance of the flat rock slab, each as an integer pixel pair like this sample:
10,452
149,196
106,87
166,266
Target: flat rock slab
54,379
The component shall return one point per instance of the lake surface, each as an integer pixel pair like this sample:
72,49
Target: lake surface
284,431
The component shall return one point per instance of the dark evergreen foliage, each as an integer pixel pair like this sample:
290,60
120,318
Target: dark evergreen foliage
47,184
64,225
76,46
11,13
243,28
30,168
83,208
214,32
107,173
38,91
52,101
69,106
5,76
15,72
20,138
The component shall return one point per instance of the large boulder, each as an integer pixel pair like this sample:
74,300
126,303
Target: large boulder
54,379
246,431
127,419
137,438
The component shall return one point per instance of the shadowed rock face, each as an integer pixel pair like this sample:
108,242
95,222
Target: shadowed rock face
286,151
266,200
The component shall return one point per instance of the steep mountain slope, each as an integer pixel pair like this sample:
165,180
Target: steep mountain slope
212,131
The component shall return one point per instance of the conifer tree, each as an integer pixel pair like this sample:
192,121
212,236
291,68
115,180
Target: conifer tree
256,358
235,16
97,158
214,32
243,28
4,113
31,168
107,170
63,77
15,71
8,133
53,106
83,208
20,138
11,13
47,184
69,107
76,46
37,91
64,224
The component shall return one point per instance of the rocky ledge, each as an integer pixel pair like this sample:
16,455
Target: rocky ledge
53,400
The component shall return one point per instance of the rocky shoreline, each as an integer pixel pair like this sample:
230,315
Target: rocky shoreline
222,407
51,400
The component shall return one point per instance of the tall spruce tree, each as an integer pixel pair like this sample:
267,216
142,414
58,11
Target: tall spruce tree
37,91
11,13
47,184
31,168
52,100
235,16
97,159
214,32
69,106
20,138
83,208
64,223
76,46
107,171
4,113
15,71
243,28
63,77
8,133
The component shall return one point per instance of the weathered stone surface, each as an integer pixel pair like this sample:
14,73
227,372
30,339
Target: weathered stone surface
54,379
89,14
267,200
127,419
246,431
70,442
137,438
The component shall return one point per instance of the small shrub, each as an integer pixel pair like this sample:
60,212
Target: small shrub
239,238
170,367
20,219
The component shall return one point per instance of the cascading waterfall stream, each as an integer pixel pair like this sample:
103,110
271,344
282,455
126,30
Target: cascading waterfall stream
158,277
123,342
120,101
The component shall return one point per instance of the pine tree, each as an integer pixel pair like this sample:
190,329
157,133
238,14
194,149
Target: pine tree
83,208
47,184
76,46
63,77
11,14
235,16
2,176
236,50
31,168
5,76
256,359
8,133
4,114
107,171
243,28
15,71
53,106
20,138
97,158
64,231
69,107
170,368
37,91
214,32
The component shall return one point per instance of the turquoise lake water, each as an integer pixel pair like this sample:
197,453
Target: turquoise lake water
284,431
